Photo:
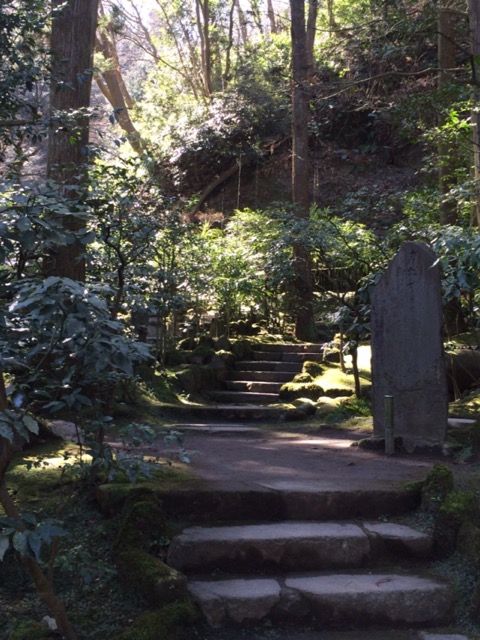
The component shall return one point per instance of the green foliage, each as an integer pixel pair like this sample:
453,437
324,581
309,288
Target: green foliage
64,349
29,537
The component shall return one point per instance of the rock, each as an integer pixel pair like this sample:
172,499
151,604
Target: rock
150,578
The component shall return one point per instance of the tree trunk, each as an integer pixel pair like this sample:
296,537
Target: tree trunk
203,25
446,154
474,19
303,299
72,43
114,90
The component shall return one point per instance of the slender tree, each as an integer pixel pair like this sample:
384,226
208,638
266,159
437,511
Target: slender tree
446,63
302,56
74,24
474,20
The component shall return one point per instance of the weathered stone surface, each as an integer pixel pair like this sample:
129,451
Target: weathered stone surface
376,599
326,600
442,636
400,539
287,545
235,601
408,360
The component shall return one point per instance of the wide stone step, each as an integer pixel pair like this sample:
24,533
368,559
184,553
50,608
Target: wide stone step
294,546
295,633
286,356
254,386
282,500
341,600
293,347
243,396
261,376
259,365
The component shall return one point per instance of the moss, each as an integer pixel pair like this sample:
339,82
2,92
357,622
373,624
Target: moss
242,349
195,378
29,630
150,578
437,485
312,368
294,390
468,543
304,408
143,521
206,342
203,354
302,377
457,509
188,344
168,623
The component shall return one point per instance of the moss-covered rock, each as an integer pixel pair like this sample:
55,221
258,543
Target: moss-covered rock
195,378
29,630
150,578
223,344
304,409
294,390
242,349
312,368
437,485
188,344
143,521
167,623
176,357
302,378
457,509
202,354
206,342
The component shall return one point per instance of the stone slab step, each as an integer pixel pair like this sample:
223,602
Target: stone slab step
293,546
261,376
304,347
279,501
253,386
249,397
287,356
268,365
298,634
326,600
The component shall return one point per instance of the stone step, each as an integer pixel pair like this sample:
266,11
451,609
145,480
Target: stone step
293,347
286,356
226,412
268,365
294,546
248,397
343,600
295,633
261,376
254,386
282,500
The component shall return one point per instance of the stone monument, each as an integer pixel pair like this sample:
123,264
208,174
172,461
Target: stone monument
408,360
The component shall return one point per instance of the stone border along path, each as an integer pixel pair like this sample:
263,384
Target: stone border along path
305,538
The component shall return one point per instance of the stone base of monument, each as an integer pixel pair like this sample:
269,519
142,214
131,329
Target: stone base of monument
404,445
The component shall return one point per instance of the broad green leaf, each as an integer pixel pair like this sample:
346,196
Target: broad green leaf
4,546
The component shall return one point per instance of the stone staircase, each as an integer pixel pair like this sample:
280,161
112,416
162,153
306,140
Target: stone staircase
258,381
298,568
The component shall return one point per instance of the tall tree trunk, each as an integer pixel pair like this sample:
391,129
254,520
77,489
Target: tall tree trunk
305,319
474,19
72,42
203,25
113,88
446,154
271,17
